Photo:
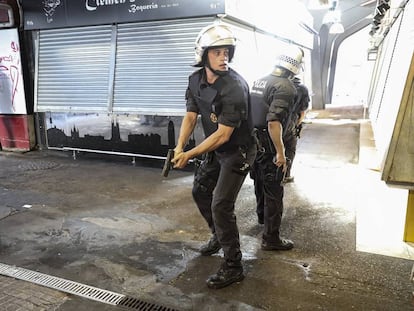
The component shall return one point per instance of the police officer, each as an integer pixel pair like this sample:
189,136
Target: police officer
272,99
221,96
300,106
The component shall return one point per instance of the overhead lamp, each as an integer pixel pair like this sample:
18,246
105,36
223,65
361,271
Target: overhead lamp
332,19
336,28
332,16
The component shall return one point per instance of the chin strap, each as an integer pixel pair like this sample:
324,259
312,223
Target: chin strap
220,73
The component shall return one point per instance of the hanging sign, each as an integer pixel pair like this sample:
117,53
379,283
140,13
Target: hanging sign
70,13
12,97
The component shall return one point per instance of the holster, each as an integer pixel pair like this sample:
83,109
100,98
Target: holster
263,140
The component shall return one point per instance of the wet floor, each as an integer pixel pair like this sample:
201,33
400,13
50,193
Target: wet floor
107,223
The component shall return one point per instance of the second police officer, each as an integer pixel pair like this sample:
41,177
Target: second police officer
272,99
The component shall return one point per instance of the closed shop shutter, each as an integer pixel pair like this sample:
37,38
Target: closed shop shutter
153,64
145,70
74,69
133,68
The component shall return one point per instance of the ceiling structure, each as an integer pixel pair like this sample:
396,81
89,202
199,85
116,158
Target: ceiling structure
351,10
355,15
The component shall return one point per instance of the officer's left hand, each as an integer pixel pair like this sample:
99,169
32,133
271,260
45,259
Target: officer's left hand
180,160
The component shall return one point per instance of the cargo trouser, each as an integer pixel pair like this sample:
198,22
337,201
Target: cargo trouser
217,183
269,194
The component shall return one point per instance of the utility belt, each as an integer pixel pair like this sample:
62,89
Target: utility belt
233,148
243,144
263,141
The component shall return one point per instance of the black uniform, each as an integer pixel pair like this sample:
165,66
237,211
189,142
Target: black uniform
224,170
272,100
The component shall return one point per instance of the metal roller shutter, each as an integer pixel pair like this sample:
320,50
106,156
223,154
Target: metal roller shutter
74,69
153,64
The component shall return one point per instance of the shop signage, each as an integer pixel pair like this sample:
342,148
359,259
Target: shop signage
48,14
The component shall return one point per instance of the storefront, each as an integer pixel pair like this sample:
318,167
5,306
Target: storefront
16,122
110,76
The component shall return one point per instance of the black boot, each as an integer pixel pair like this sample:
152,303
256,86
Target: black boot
281,245
211,247
260,219
226,275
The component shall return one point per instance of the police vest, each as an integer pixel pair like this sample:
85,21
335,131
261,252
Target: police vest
266,90
208,99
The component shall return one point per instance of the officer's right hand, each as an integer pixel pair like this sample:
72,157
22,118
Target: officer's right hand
279,160
180,159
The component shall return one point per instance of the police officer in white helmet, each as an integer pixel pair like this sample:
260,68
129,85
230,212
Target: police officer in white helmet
221,96
272,100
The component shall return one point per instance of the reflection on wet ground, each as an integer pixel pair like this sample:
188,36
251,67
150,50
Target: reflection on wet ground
125,228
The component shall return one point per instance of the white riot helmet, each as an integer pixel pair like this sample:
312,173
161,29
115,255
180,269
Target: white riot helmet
215,35
291,59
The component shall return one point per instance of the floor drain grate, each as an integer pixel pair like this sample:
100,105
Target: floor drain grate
79,289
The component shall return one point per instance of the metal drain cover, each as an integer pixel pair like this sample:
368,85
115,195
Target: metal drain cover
37,165
82,290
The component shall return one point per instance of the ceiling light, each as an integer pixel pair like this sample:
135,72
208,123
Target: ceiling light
336,28
332,19
332,16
